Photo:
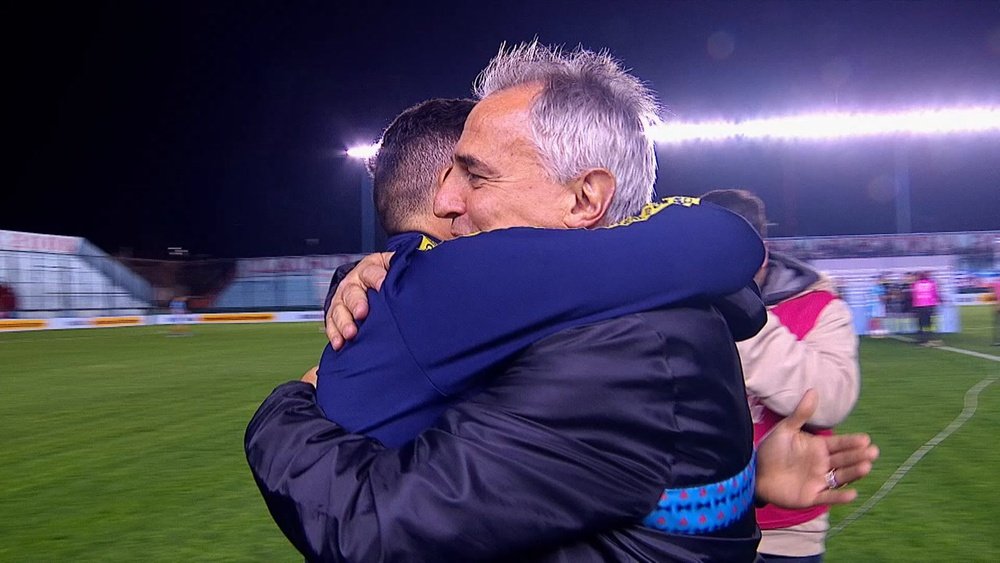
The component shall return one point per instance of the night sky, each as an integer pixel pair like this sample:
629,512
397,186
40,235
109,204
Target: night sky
221,126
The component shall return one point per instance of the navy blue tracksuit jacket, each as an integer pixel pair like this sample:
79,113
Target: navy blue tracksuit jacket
558,457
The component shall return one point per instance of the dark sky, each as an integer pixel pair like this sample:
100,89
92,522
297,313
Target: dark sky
220,126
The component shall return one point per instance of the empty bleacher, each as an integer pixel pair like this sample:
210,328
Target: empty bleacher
65,276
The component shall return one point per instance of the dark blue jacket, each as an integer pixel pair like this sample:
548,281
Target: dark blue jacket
449,316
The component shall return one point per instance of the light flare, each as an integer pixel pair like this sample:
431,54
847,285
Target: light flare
364,152
822,126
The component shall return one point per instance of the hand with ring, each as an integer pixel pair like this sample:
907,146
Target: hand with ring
794,466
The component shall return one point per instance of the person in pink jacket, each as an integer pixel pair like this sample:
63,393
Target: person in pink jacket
925,301
808,342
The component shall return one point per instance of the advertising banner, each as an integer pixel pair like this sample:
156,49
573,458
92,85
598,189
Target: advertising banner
13,325
32,242
117,321
236,318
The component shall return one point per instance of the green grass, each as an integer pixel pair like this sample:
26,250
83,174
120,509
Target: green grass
124,444
945,507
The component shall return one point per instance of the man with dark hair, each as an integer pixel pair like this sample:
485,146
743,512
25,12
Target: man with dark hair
807,343
414,148
743,203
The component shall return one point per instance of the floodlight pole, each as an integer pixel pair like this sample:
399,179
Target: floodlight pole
904,223
367,212
366,195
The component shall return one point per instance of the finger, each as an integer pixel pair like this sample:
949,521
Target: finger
837,496
804,410
845,442
852,473
371,270
372,276
333,333
854,456
374,269
344,322
355,299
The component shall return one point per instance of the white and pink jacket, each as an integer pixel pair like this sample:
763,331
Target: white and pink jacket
808,342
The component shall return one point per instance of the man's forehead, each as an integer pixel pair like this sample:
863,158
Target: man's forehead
502,118
505,105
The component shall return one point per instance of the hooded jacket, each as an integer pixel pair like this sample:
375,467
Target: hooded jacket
807,342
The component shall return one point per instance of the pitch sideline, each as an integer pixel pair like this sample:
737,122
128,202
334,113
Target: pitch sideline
970,405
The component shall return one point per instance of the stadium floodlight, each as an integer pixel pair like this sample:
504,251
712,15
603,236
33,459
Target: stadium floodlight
821,126
364,152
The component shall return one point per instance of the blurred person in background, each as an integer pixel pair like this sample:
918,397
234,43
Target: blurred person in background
925,301
8,301
996,311
906,292
878,297
808,343
178,312
894,305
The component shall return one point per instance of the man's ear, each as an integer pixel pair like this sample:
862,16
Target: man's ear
593,191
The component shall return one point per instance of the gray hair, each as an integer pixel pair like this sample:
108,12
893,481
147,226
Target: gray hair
591,113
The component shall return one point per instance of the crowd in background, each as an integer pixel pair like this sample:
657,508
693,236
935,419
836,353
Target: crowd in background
904,304
914,244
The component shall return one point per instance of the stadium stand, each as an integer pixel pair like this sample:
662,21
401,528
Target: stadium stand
51,275
48,276
985,244
287,283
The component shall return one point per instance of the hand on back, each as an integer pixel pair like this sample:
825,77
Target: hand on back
350,302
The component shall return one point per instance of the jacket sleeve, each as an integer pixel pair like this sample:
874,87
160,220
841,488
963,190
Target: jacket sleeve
488,481
778,367
468,302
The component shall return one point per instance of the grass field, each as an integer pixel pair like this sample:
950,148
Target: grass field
124,445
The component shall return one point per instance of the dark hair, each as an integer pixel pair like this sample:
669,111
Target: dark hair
744,204
415,146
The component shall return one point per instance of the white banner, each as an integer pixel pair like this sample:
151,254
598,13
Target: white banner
33,242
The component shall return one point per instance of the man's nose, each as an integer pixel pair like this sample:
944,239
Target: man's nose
449,201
